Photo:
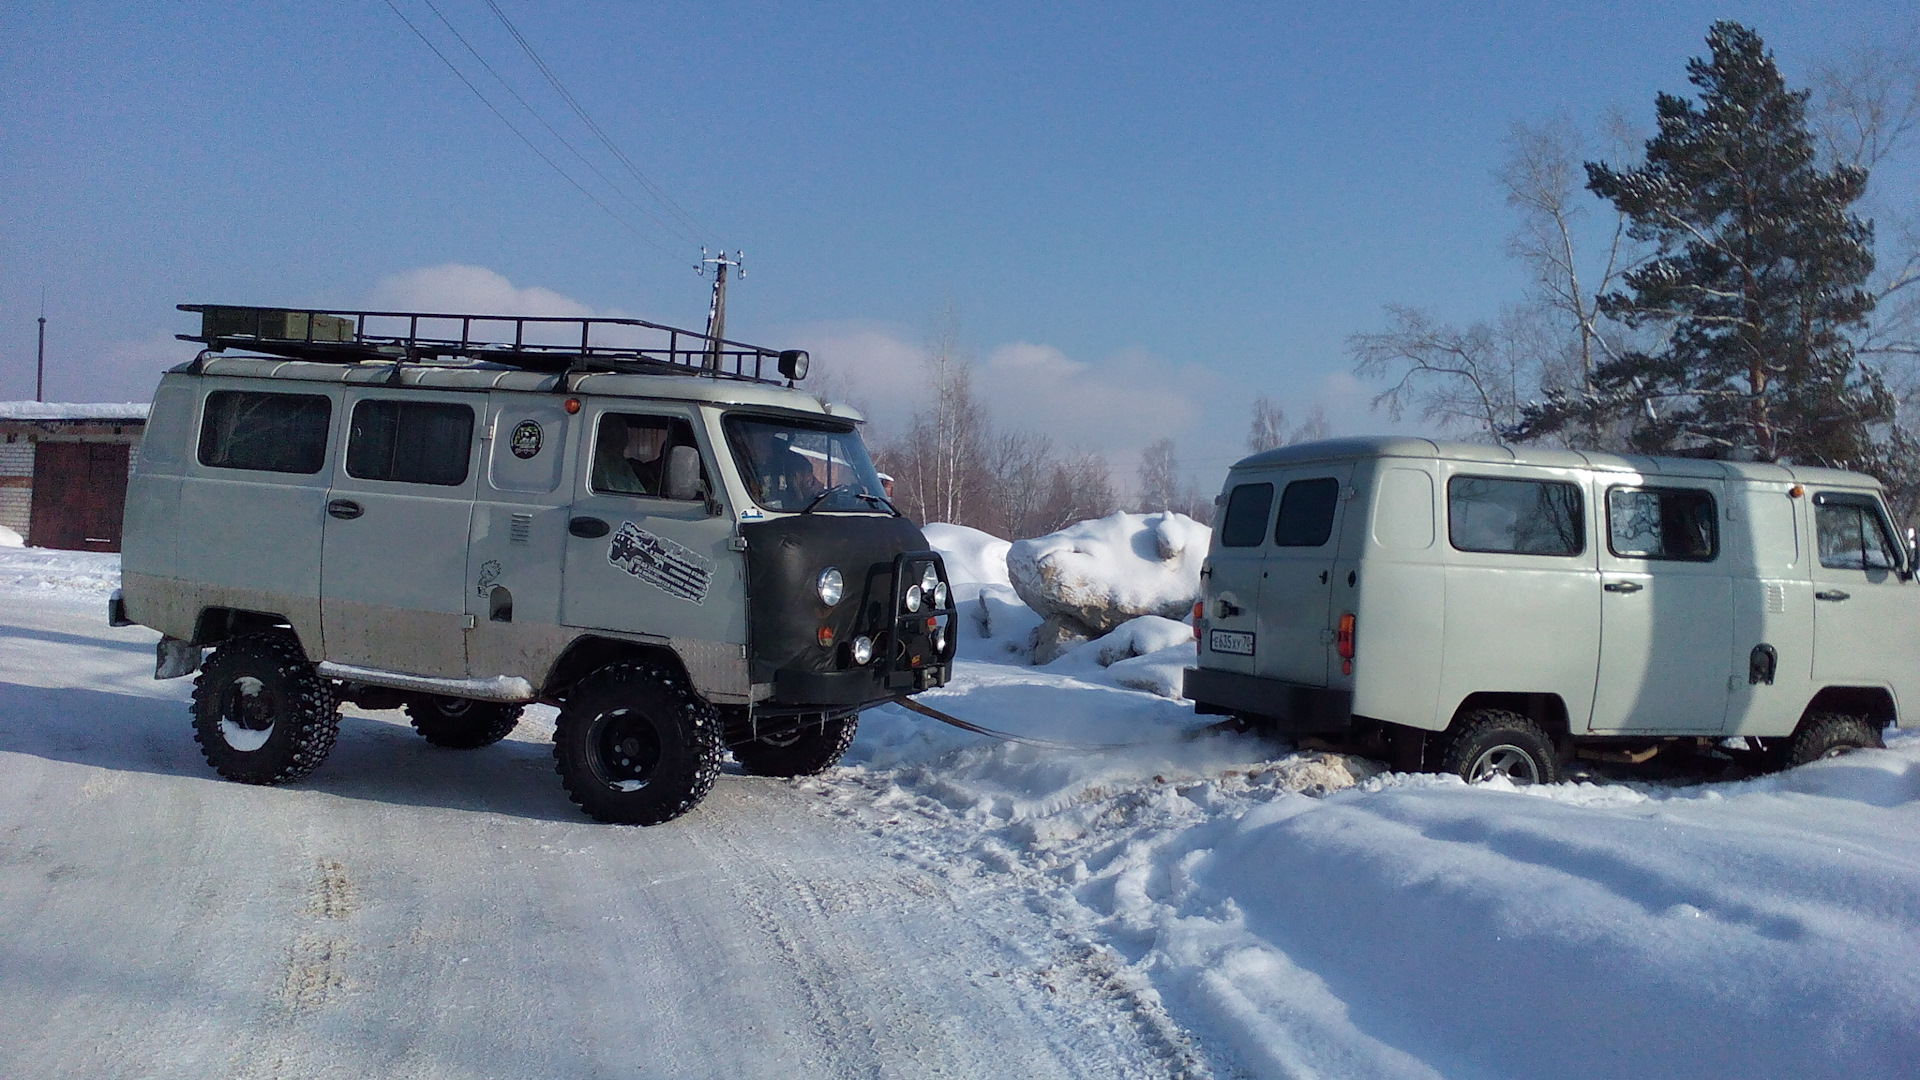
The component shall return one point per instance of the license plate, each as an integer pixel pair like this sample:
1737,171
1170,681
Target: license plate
1238,642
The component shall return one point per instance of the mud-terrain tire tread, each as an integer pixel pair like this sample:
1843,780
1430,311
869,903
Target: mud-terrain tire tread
302,737
1822,734
814,752
675,711
1485,728
480,723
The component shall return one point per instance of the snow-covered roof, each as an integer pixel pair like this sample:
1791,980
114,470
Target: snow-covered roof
64,410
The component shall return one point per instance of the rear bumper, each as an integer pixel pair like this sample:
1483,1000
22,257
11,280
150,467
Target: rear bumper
1290,707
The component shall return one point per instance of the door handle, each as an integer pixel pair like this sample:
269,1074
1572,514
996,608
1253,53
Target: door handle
345,509
587,527
1623,586
1832,594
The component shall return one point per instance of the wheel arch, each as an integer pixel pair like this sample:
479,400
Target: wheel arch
1543,708
591,652
217,624
1873,702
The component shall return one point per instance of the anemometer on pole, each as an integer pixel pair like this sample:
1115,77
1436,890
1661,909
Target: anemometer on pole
717,310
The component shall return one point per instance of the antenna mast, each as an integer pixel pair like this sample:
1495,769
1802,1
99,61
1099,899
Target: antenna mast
717,309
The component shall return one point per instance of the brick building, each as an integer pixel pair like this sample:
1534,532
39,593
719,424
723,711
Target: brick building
63,471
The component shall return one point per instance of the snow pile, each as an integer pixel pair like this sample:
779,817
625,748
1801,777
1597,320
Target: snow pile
1088,578
60,410
973,557
9,538
1309,914
76,575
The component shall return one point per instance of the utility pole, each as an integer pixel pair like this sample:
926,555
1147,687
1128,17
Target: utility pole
40,365
717,309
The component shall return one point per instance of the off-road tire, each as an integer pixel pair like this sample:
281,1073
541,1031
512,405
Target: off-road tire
461,723
812,750
638,725
1824,735
255,679
1493,741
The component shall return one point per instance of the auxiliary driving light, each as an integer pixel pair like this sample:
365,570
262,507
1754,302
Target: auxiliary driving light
913,598
862,649
929,580
940,596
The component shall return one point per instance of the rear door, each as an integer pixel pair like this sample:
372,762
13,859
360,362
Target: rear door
1232,591
1295,626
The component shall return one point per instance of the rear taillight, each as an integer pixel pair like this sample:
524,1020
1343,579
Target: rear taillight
1343,641
1199,612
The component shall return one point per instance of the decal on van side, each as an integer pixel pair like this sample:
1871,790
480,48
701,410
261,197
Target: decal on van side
673,568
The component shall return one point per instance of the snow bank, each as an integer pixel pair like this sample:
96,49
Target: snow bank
973,557
60,410
11,539
73,575
1102,573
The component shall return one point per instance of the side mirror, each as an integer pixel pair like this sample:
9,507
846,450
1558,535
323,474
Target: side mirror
683,473
794,364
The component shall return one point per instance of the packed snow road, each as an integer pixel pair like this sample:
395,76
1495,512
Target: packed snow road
413,912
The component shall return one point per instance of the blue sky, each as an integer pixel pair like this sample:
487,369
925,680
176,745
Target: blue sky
1142,215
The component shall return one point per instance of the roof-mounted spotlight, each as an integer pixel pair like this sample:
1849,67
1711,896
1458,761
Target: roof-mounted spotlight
793,364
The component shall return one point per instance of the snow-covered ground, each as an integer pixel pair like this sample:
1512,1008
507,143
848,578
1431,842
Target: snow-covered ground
1187,903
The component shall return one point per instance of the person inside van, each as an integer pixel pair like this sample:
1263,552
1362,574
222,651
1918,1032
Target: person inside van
630,453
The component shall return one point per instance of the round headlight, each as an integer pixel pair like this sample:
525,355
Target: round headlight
940,596
913,598
929,579
862,649
940,641
830,586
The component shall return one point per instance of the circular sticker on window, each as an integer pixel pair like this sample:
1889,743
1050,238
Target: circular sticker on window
526,439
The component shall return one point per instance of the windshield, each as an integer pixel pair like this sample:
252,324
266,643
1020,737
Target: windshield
795,465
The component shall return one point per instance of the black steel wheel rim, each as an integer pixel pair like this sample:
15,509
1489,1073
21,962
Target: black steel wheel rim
624,749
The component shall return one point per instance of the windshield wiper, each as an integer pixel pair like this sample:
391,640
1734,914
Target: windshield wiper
875,500
881,500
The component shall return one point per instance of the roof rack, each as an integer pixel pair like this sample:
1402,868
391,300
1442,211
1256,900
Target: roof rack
534,343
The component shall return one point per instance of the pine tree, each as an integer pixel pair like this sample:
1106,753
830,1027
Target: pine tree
1758,274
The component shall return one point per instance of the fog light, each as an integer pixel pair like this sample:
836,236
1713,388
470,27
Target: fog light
913,598
862,649
940,641
940,596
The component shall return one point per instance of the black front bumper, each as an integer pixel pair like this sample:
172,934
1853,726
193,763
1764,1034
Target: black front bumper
1289,707
854,687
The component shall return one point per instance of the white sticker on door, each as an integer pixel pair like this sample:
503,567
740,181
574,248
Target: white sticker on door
673,568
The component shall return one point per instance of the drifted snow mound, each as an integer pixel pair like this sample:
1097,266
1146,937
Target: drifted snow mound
1148,653
1091,577
9,538
972,557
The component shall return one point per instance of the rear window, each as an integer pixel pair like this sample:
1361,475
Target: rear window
1517,517
283,433
1246,523
1662,523
410,442
1306,513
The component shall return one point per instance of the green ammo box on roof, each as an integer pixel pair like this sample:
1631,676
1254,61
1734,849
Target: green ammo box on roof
274,323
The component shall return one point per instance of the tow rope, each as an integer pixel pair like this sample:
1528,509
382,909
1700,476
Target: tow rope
1052,744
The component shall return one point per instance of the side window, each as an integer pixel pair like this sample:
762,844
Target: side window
1662,523
1519,517
1246,522
283,433
1306,513
1853,533
630,454
410,442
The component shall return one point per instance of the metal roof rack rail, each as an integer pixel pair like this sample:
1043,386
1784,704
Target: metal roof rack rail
530,342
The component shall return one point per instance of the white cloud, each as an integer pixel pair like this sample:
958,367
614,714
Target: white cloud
456,287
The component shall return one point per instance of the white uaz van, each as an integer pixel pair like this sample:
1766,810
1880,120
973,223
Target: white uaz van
460,514
1481,610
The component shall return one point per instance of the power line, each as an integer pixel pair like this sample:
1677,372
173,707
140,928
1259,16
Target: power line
670,226
554,81
568,177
